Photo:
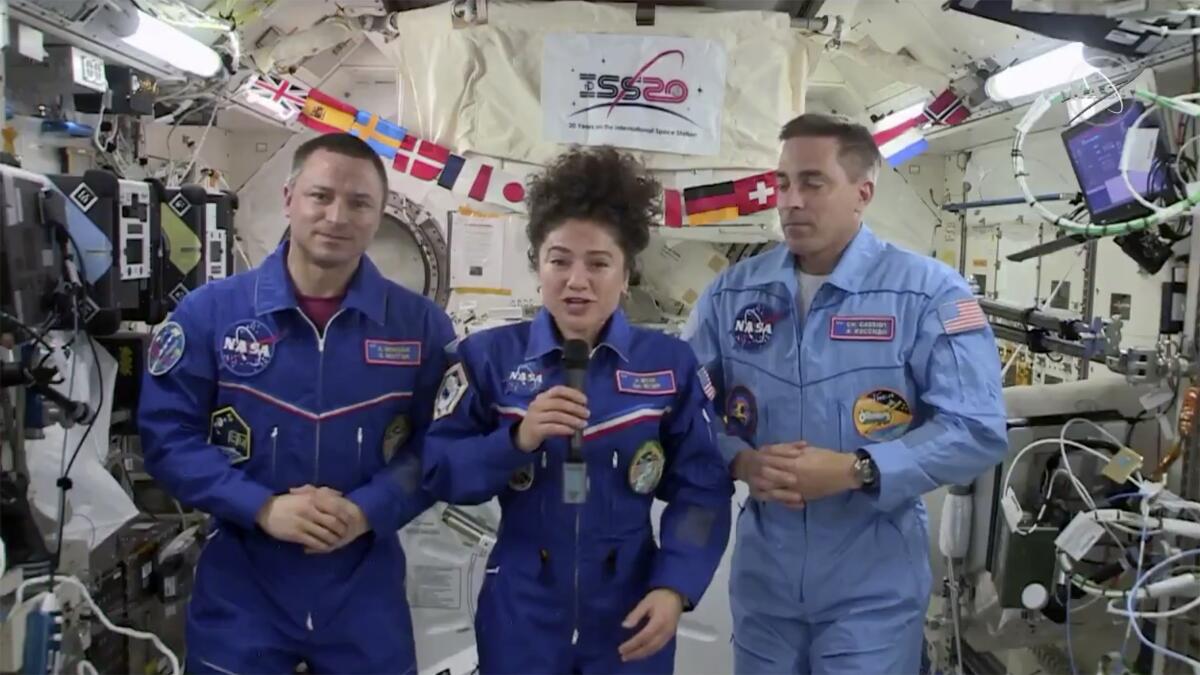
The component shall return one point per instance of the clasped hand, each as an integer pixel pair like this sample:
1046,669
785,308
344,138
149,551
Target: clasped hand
319,519
793,473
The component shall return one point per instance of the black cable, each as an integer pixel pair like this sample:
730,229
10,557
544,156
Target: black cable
38,338
64,481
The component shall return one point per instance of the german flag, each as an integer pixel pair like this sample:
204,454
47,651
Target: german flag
326,114
708,204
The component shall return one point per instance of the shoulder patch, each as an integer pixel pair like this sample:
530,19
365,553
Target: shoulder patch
166,348
961,316
454,387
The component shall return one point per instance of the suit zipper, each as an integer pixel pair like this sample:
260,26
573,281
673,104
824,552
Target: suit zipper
360,435
274,450
320,384
575,633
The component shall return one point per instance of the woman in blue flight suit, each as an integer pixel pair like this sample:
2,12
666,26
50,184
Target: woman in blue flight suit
576,583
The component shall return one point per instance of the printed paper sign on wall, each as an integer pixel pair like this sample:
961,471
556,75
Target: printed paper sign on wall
657,93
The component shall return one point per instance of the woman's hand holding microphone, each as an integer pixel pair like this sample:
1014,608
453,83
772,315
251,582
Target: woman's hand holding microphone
558,411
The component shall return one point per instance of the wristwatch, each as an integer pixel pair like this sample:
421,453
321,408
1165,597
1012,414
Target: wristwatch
866,470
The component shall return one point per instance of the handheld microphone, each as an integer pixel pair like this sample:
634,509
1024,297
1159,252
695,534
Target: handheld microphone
575,361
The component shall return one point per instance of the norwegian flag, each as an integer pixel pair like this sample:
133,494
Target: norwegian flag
961,316
283,97
947,108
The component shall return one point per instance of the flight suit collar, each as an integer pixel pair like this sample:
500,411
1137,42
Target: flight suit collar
544,337
367,292
857,260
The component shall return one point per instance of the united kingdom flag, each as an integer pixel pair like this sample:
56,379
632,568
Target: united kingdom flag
284,97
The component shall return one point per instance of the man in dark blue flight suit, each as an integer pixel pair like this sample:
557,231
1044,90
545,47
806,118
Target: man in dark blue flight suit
290,402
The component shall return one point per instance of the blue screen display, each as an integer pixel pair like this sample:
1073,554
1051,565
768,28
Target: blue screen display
1095,150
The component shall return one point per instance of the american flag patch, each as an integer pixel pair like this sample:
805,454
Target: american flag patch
706,384
961,316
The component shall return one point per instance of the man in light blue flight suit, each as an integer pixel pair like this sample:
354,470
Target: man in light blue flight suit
854,377
290,402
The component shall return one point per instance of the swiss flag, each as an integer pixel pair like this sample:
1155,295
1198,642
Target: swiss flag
420,159
756,193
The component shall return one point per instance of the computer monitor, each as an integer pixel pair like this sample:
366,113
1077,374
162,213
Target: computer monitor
31,256
1094,147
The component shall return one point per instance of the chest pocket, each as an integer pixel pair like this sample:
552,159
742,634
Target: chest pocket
637,464
757,328
862,369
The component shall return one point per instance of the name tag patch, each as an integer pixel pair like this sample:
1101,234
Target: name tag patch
870,328
655,384
392,353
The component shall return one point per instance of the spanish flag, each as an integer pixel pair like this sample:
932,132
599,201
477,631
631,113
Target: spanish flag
326,114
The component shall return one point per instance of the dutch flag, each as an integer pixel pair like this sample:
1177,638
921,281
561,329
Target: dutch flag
899,137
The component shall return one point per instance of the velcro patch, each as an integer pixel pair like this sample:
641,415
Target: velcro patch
706,384
961,316
866,328
454,387
392,353
654,384
229,432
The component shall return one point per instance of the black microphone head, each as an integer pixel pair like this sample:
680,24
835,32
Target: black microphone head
575,354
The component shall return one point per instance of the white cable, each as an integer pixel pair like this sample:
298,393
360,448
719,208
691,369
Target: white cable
1182,609
1036,111
120,630
200,143
3,558
1103,432
1195,665
85,667
1125,147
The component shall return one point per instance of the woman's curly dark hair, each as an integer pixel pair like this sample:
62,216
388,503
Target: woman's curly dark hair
600,184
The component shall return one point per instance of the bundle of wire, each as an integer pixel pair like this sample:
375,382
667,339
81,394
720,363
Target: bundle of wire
1155,516
1159,215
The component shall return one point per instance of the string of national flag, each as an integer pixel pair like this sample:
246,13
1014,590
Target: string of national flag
425,160
899,135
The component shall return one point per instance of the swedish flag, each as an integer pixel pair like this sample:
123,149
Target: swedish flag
383,136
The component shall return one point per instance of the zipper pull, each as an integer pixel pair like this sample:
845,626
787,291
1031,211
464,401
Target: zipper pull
575,637
614,459
360,446
274,433
543,460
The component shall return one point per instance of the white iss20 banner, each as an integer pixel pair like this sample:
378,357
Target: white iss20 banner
654,92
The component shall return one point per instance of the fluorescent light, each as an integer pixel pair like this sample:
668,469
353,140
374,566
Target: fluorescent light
1055,68
172,45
